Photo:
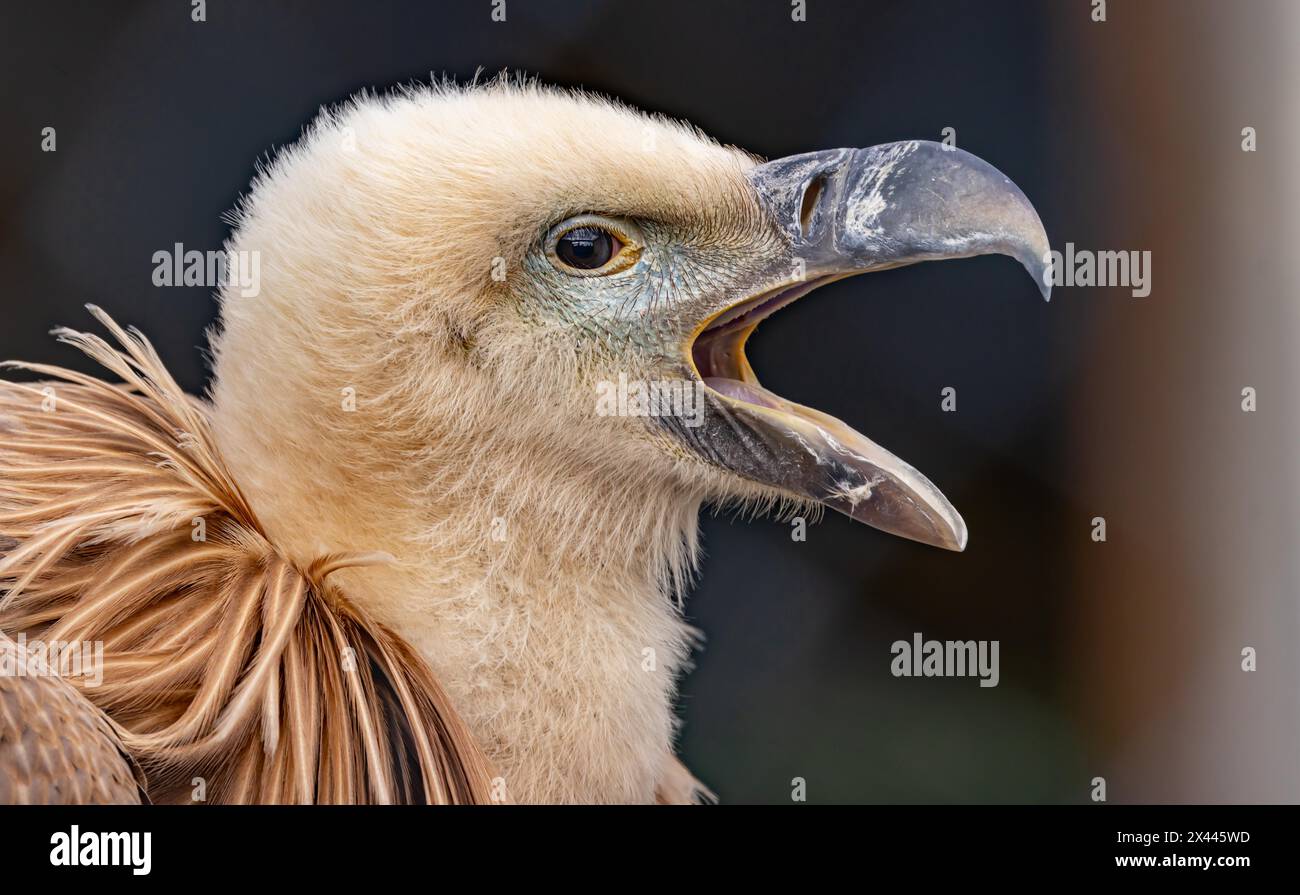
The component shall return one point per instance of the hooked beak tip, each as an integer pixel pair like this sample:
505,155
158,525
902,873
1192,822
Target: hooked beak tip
959,541
1040,268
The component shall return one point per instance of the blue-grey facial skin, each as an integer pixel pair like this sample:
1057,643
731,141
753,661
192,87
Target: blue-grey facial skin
814,218
644,316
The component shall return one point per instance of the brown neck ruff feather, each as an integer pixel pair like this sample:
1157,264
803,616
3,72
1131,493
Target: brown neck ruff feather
222,660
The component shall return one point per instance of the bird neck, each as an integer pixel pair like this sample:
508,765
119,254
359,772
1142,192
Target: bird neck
541,591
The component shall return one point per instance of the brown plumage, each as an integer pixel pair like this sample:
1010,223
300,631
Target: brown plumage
223,661
56,747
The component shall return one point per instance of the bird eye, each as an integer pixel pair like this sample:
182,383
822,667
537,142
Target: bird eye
593,246
587,248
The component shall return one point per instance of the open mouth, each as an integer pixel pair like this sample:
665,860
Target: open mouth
804,451
718,350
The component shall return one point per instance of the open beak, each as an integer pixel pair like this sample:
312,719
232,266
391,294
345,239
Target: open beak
845,212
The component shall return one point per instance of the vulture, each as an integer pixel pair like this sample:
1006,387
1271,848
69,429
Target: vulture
408,549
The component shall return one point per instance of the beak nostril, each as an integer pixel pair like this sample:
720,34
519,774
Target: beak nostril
811,196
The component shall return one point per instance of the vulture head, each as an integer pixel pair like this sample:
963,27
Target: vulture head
500,336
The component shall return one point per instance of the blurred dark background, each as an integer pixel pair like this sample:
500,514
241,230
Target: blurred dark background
1119,660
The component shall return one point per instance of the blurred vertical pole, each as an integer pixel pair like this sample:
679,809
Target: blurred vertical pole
1201,498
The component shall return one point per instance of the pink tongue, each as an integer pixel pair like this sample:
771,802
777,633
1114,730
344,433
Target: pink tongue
741,391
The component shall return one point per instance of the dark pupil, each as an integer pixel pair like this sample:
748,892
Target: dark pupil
585,248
